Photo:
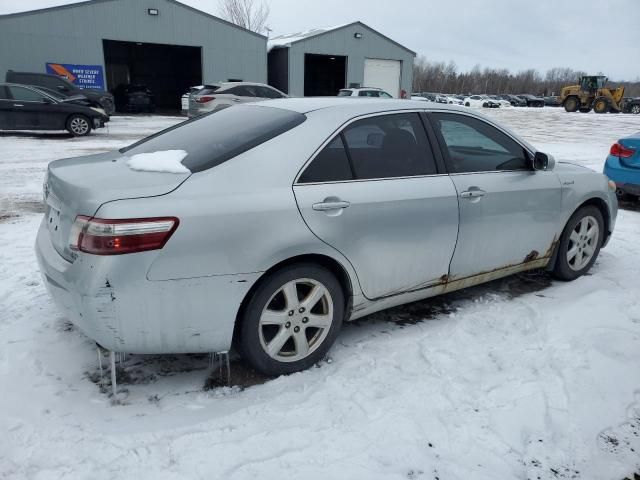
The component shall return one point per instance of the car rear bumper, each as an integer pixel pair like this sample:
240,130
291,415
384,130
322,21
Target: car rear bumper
627,178
110,299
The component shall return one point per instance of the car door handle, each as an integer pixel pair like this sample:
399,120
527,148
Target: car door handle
473,193
235,99
325,206
18,105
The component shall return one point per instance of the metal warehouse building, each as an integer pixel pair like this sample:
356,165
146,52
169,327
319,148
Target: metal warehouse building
322,61
163,44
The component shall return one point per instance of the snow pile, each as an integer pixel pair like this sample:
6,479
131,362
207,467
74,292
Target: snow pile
166,161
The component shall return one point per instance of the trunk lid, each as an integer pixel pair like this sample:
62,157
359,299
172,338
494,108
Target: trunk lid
78,186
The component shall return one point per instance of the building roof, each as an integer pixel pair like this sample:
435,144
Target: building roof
82,3
285,41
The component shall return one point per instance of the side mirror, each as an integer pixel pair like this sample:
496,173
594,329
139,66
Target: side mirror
542,161
46,100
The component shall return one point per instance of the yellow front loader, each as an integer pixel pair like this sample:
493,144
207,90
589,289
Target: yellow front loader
592,93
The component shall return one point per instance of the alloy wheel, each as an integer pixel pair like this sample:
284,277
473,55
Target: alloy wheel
635,109
583,242
79,126
296,320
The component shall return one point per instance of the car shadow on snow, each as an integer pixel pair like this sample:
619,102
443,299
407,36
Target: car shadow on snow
137,370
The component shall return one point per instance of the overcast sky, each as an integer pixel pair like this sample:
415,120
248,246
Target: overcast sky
590,35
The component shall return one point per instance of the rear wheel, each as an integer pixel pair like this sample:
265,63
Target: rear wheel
580,243
635,109
601,105
292,319
571,104
78,125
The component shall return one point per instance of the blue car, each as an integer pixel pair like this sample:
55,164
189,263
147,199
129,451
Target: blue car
623,165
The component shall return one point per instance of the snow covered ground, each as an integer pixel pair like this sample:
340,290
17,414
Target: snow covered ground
524,378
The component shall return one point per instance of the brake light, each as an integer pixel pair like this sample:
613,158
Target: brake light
101,236
205,99
620,151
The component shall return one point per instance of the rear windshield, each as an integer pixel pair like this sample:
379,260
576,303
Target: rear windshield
216,137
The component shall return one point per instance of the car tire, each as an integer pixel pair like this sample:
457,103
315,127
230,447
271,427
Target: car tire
580,243
467,104
277,334
78,125
635,109
571,104
585,109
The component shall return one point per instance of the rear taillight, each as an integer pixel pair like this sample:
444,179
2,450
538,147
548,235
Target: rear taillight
620,151
101,236
205,99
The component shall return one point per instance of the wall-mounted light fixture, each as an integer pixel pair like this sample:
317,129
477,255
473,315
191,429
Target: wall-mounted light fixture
357,35
153,11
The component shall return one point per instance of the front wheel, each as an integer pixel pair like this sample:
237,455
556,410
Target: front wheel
635,109
580,243
601,105
292,319
78,125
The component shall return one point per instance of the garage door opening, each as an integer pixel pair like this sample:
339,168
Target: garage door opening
168,70
324,75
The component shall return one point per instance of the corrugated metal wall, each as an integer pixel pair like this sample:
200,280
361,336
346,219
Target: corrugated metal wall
343,42
74,35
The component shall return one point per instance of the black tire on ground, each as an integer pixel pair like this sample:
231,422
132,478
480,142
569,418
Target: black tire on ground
562,269
467,104
248,336
78,125
572,104
585,109
601,105
635,109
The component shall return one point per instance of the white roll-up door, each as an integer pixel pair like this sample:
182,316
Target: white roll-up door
383,74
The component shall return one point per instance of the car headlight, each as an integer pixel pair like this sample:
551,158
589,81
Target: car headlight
99,110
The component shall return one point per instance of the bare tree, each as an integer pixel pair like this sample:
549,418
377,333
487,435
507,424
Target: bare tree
248,14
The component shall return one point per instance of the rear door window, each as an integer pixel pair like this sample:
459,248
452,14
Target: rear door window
21,94
4,94
389,146
330,165
386,146
217,137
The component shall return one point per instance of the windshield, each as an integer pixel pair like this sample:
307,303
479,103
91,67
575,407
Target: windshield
214,138
344,93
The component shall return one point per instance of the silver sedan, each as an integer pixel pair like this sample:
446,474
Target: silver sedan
268,225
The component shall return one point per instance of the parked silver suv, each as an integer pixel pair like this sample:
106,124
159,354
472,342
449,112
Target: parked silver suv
223,95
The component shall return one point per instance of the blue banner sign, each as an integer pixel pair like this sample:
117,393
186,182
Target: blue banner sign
84,76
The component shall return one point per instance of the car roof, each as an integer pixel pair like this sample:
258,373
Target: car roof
355,106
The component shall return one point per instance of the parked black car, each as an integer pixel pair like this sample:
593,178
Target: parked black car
25,107
134,98
552,101
63,87
631,105
532,100
514,100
